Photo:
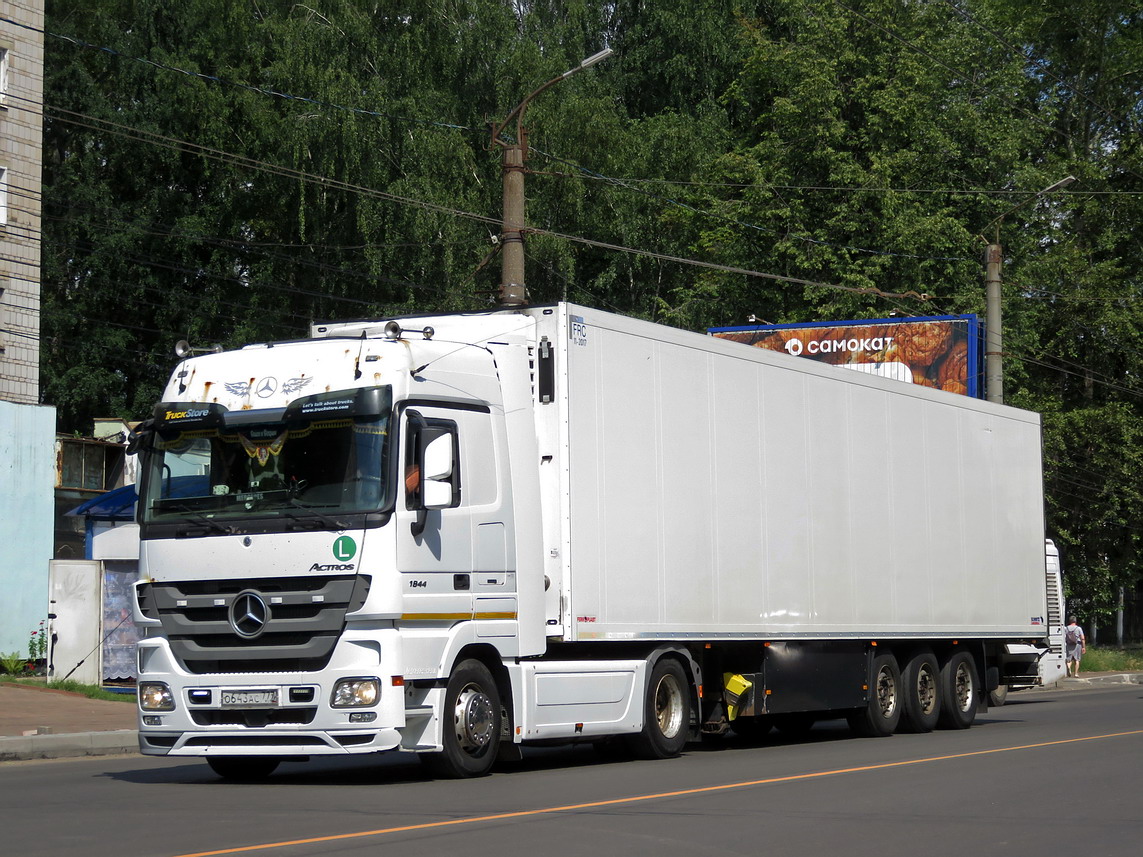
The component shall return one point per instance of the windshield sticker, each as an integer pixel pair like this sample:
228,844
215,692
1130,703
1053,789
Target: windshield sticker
262,449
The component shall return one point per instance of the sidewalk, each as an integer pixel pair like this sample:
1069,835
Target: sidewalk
42,723
1089,679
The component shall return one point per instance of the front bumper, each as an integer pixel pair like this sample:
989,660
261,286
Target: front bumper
301,721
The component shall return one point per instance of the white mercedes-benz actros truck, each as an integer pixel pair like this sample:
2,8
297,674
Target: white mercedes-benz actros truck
457,535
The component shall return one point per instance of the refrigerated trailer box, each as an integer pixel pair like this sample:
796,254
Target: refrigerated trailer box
453,535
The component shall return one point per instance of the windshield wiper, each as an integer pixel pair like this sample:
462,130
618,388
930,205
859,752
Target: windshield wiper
312,510
209,523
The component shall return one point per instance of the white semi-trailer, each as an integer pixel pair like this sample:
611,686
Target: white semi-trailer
455,535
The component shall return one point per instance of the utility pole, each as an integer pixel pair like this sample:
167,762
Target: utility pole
512,290
993,335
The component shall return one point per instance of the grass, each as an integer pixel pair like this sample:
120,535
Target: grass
1112,659
91,691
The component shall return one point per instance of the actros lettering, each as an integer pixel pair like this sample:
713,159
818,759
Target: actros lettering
317,566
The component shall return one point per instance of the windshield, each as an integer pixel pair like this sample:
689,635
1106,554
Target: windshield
298,469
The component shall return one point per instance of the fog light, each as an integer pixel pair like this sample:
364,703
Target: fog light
354,692
152,720
155,696
363,717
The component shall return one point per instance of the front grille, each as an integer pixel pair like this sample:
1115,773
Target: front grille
306,615
254,718
252,741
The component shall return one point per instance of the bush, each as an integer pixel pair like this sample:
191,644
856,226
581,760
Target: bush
1111,659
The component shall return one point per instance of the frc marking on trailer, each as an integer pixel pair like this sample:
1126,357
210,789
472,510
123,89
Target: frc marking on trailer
577,330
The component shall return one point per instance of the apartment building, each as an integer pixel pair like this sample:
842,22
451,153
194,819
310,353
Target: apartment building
27,428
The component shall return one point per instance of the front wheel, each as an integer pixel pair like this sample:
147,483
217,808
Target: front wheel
998,697
959,688
243,769
666,713
471,727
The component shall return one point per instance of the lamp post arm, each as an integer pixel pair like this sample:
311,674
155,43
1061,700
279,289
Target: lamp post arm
1064,182
517,112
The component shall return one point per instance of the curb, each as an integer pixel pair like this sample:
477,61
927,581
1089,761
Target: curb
1120,678
69,746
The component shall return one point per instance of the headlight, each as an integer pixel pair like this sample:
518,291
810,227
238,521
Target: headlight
155,696
356,692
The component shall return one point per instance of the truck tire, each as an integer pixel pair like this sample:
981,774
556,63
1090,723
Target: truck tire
243,769
959,689
470,731
998,697
881,714
666,713
921,681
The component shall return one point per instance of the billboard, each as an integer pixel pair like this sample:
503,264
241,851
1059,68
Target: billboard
938,351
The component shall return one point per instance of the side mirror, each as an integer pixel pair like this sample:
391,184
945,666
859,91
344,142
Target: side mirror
437,465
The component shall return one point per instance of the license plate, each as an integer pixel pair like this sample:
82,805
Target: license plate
249,698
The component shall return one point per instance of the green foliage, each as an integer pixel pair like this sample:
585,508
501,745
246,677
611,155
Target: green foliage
13,663
864,146
1098,659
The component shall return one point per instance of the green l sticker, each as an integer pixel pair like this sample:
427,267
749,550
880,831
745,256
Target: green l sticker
344,548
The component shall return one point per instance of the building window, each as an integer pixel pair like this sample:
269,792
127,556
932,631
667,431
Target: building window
89,465
3,76
3,196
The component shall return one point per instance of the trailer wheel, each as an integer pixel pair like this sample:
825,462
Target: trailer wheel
666,714
471,728
881,714
921,680
998,697
959,688
243,769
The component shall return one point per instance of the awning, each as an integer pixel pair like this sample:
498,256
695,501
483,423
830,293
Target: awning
115,505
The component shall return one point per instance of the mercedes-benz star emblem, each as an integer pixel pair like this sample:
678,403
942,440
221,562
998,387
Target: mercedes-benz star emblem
267,387
249,614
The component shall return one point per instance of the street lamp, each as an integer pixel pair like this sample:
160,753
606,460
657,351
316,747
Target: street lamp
993,337
512,292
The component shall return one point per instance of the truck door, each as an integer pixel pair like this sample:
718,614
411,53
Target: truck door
455,556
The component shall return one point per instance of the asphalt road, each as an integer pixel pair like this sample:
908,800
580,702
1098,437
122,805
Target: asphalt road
1051,772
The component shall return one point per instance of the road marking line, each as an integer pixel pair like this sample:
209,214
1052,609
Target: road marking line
429,825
